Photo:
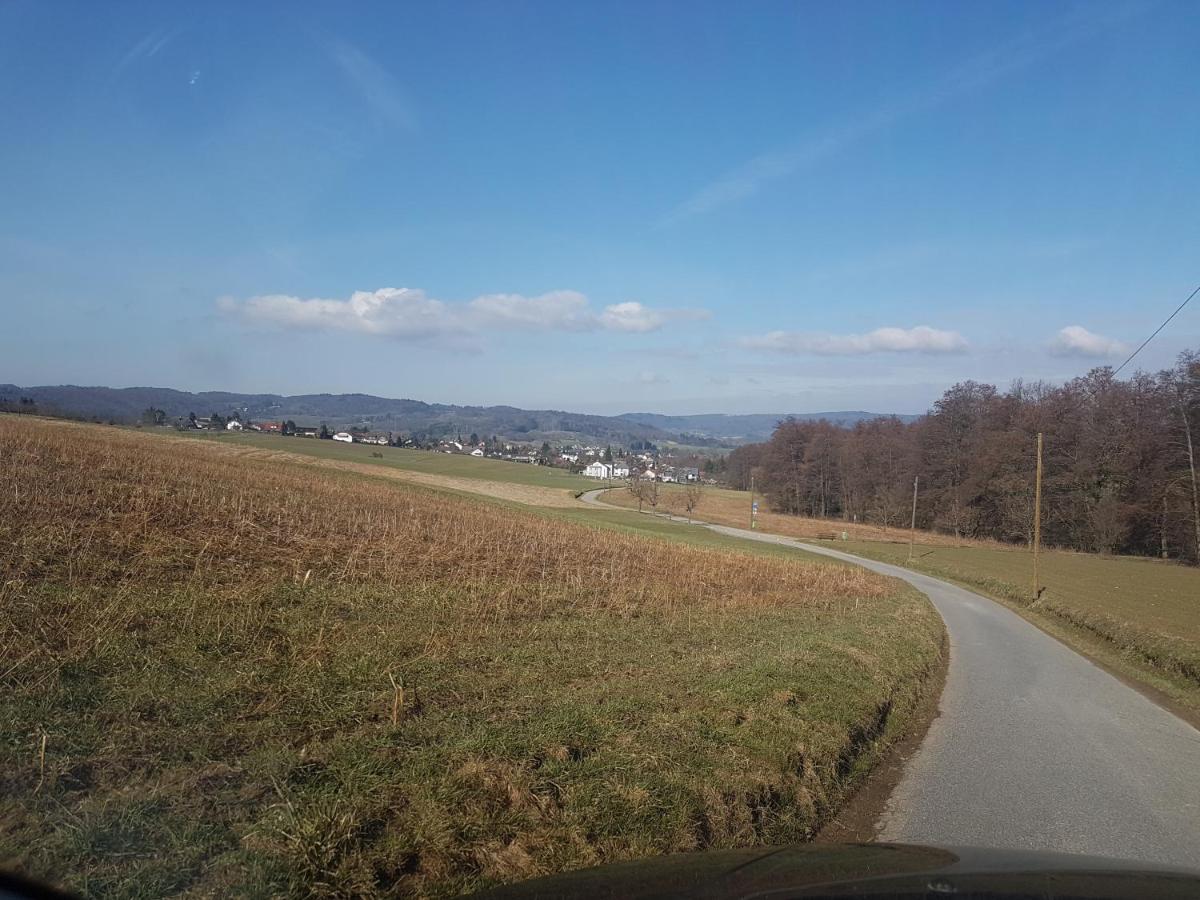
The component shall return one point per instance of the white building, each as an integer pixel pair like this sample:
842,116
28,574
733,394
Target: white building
233,425
620,469
598,469
477,452
344,436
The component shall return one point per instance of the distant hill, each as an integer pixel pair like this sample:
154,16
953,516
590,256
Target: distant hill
413,416
344,410
744,428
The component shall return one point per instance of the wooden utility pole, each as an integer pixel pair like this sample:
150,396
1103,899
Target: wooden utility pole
912,528
1037,521
1191,455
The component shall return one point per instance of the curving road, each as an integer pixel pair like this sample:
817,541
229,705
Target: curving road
1035,747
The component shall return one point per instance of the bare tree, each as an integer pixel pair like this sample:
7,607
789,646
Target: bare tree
692,495
650,485
1187,379
641,488
1122,463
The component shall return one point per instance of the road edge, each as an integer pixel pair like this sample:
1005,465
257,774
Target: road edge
860,817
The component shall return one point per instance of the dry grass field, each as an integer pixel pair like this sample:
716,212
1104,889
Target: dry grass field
224,674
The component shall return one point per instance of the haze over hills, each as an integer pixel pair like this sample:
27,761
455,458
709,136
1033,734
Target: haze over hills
415,416
748,427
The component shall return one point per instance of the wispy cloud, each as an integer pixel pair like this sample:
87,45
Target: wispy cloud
410,314
1075,340
148,47
972,75
378,88
920,339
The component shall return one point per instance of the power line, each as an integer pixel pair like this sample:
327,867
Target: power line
1157,330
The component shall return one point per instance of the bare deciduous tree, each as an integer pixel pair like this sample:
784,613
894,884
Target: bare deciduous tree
1121,463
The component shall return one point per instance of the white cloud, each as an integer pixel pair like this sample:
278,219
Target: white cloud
564,310
1075,340
396,312
408,313
921,339
631,317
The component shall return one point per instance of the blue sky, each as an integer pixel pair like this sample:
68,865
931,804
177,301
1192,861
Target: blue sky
678,207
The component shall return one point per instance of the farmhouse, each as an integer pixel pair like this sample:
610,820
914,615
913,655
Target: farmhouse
620,469
598,469
344,436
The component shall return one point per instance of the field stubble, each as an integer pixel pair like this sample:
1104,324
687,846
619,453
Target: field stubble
227,674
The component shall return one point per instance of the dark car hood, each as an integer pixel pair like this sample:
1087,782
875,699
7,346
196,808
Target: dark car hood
864,870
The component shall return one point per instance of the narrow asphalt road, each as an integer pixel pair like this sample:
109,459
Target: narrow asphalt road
1036,747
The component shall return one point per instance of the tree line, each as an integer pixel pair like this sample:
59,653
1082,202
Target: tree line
1120,466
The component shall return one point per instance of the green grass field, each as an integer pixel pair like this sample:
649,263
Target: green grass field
451,464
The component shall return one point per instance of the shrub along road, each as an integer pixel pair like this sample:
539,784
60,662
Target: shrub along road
1035,746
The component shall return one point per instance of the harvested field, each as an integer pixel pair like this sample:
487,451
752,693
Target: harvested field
224,674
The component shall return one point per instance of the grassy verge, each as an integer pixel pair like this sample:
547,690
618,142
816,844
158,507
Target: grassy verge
223,675
1139,616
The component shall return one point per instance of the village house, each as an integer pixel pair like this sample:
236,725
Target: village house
345,437
233,425
598,469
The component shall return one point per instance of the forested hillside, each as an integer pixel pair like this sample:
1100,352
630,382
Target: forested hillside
1120,468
